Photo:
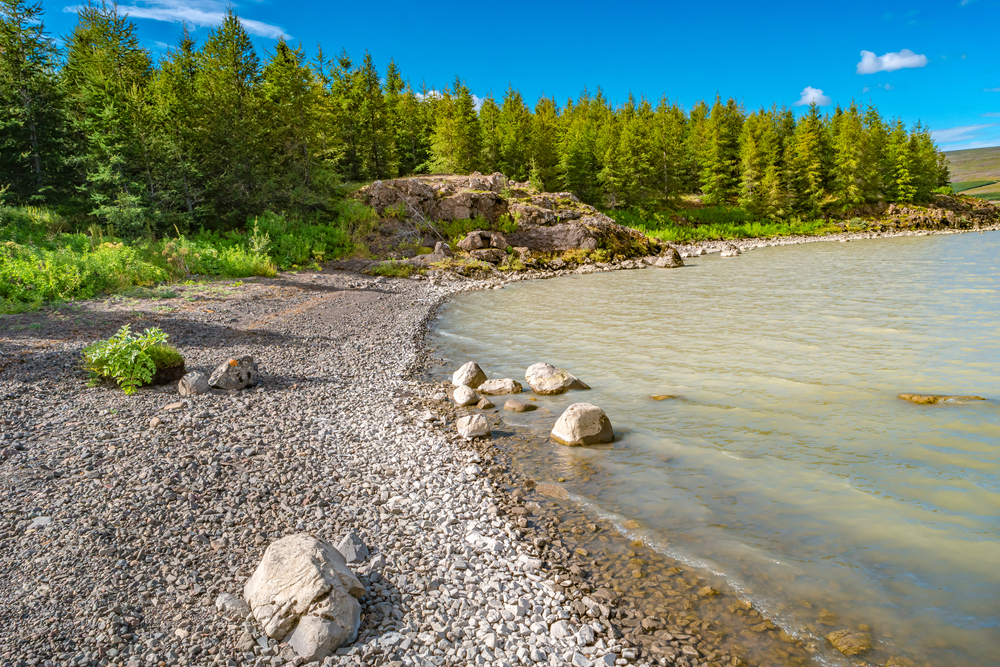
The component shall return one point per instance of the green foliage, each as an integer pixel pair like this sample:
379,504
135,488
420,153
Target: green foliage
130,360
509,224
391,269
962,186
944,190
717,223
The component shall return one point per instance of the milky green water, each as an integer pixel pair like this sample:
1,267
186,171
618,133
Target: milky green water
787,464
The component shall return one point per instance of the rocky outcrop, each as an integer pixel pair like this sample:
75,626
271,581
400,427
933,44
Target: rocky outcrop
498,387
235,374
583,424
469,375
473,426
546,379
668,259
430,198
303,593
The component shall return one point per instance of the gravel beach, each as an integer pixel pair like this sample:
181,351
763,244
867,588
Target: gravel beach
125,518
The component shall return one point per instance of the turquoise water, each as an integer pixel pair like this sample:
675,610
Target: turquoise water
786,463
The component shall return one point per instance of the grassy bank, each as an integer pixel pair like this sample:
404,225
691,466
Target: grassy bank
716,223
44,259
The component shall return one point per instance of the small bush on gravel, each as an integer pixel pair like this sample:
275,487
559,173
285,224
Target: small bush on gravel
392,269
130,360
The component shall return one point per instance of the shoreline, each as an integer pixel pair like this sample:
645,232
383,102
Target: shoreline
123,532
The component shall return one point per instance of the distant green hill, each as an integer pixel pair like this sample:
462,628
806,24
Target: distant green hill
976,172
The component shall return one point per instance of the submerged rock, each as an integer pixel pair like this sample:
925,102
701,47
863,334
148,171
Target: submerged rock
485,404
514,405
546,379
583,424
497,387
469,375
663,397
931,399
552,491
850,642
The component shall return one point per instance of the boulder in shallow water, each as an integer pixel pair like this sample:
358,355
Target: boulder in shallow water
850,642
546,379
497,387
303,593
235,373
469,375
473,426
485,404
583,424
465,396
514,405
932,399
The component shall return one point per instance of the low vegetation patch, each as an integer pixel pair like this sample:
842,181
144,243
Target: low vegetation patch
130,360
962,186
393,269
715,223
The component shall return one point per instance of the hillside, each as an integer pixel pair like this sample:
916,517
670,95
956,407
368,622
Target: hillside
976,172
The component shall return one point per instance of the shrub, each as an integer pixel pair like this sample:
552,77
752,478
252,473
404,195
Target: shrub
130,360
391,269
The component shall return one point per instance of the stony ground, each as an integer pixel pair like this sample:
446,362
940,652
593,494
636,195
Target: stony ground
123,518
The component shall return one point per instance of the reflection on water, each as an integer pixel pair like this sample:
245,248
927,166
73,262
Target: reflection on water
785,461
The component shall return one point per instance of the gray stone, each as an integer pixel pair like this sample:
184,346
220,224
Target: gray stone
546,379
498,387
465,396
235,373
353,548
231,606
561,630
40,522
514,405
193,384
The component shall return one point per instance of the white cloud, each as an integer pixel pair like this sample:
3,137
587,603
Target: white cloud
477,101
199,13
958,134
991,90
890,62
992,114
887,86
865,89
810,95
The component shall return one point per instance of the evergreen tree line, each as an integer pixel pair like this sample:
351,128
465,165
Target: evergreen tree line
212,134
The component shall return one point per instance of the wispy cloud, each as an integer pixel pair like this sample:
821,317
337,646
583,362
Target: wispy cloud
991,114
962,133
198,13
810,95
889,62
991,90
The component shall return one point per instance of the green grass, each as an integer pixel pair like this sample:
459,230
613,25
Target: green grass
715,223
988,196
44,259
391,269
969,185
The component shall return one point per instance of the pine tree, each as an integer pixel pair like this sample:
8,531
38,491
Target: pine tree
456,145
394,88
346,106
545,135
720,165
902,186
848,169
809,164
578,162
105,78
30,118
489,125
671,162
515,136
414,131
374,132
232,152
924,157
875,171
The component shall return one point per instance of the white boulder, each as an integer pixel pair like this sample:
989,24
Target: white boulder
465,396
303,593
583,424
469,375
497,387
546,379
473,426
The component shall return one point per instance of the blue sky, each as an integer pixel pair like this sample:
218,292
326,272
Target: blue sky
938,62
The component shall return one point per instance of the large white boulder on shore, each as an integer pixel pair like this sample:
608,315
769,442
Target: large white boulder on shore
497,387
473,426
546,379
465,396
583,424
469,375
303,593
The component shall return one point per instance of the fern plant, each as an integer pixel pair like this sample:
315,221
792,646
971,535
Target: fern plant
126,358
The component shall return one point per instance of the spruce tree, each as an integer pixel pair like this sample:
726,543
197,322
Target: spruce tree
720,166
848,169
545,136
30,104
456,144
489,125
515,136
902,186
809,163
670,161
374,131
